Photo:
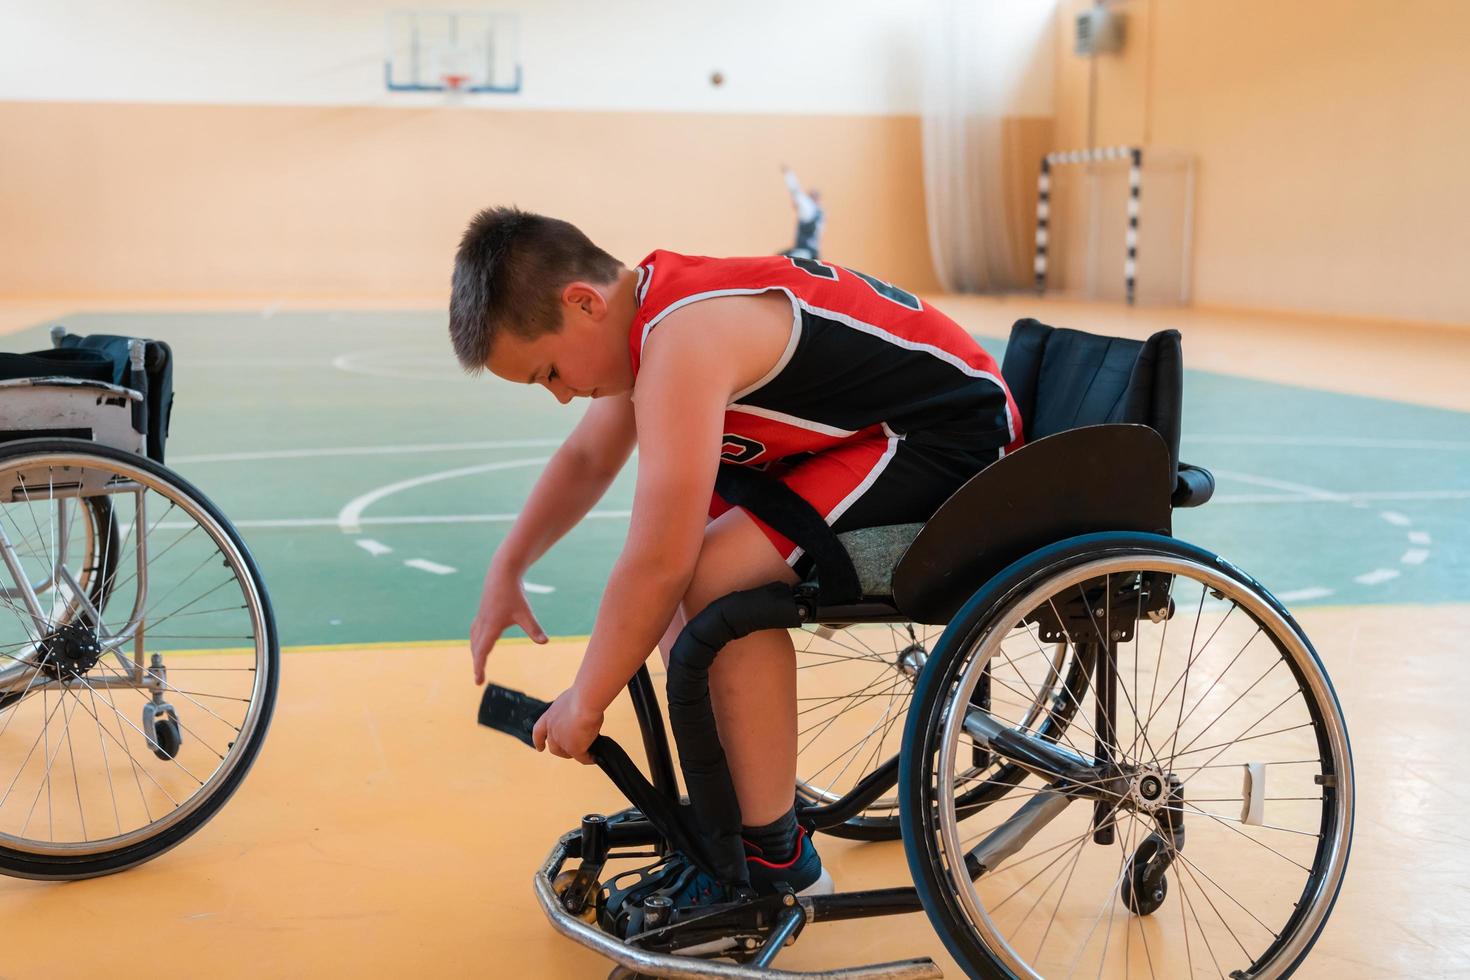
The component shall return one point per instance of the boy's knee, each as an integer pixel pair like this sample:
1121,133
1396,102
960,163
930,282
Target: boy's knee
736,555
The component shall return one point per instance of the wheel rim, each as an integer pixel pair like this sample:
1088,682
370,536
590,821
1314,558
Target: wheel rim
79,775
854,689
1026,910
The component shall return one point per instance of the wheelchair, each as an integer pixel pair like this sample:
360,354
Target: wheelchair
1104,750
139,658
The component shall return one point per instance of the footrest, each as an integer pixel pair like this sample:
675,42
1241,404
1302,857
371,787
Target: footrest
635,961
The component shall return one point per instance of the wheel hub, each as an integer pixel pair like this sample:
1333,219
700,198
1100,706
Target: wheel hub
70,651
911,660
1148,789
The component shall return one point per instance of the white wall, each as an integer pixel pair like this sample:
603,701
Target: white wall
814,56
826,56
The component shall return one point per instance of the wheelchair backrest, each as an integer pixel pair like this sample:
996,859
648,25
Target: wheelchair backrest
46,392
1064,379
155,381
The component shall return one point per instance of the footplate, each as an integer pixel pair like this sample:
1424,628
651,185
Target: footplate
649,963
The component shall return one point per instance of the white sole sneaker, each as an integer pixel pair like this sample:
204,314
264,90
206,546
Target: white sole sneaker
822,886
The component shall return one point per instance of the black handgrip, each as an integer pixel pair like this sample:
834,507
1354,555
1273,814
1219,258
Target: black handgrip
516,714
511,712
1196,486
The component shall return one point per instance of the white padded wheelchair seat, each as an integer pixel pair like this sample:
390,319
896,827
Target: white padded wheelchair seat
875,552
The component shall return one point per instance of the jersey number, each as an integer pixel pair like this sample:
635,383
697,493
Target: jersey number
887,290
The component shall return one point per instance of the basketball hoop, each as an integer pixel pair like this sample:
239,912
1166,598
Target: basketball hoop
453,52
455,85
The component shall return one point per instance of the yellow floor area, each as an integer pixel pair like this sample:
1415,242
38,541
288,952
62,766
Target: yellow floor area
383,834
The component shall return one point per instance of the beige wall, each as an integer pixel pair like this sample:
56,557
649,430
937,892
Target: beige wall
1332,139
292,201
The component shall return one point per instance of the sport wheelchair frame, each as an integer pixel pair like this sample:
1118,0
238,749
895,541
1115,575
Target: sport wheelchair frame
1064,546
101,547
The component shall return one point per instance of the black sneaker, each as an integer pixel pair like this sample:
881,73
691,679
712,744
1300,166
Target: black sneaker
803,872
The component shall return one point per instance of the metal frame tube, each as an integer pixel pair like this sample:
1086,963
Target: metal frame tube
686,967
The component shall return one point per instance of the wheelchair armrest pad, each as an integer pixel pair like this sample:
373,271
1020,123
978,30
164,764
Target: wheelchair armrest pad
1196,485
511,712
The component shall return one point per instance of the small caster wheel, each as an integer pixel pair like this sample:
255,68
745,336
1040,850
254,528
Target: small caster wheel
1146,884
562,882
161,728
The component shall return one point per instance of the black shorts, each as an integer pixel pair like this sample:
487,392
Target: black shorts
871,483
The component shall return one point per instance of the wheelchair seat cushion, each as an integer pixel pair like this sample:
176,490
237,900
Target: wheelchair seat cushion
875,552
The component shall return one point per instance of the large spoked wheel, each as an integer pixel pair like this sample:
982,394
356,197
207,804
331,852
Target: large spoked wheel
139,659
854,689
1197,813
96,561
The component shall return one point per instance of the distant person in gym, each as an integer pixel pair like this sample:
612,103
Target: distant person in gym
810,218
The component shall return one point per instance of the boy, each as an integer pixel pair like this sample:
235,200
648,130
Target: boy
871,405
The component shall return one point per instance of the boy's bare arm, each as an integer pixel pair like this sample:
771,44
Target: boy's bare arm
691,366
574,480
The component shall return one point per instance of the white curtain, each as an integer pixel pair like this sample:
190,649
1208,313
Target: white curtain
979,65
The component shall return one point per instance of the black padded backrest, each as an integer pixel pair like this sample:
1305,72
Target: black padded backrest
158,367
84,364
1064,379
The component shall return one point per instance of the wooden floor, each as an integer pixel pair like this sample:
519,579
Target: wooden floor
382,834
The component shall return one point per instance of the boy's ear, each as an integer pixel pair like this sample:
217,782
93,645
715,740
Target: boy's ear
586,297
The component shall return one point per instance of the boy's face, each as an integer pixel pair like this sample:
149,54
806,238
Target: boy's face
587,358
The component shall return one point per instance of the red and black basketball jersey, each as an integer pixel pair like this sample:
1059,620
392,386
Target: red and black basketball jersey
865,360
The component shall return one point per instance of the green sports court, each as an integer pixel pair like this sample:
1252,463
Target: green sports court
371,477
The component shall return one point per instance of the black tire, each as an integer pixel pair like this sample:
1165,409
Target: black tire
25,864
167,738
995,606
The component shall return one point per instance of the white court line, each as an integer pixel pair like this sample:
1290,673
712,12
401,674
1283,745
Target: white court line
1419,537
1394,517
1301,595
1354,497
1415,556
427,447
1377,575
535,589
371,521
439,366
1330,441
348,517
1313,493
430,566
374,548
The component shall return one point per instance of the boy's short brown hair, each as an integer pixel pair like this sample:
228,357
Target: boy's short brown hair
509,274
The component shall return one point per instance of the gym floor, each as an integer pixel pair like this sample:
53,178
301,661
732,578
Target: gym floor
382,832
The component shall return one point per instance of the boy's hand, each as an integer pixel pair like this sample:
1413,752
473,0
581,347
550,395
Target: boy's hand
568,727
502,605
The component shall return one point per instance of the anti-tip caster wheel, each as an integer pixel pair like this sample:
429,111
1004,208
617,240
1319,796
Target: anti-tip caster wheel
161,728
563,881
1146,884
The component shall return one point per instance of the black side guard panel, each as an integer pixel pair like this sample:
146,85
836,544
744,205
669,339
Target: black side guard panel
1096,478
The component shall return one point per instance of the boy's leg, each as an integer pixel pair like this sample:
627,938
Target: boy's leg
753,680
